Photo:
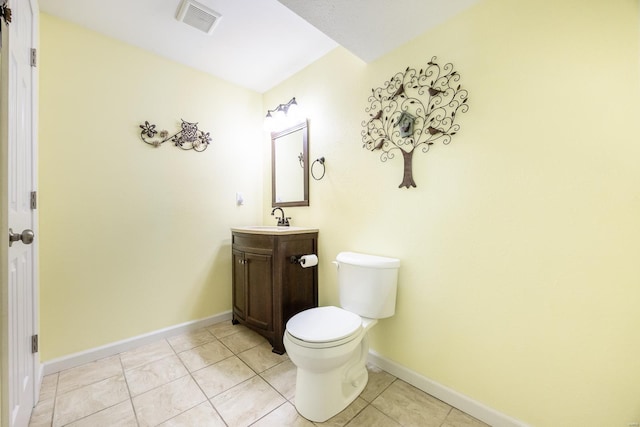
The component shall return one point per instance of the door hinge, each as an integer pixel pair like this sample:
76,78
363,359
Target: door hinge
34,57
34,343
34,200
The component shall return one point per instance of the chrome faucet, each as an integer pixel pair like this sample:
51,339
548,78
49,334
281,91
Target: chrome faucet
283,221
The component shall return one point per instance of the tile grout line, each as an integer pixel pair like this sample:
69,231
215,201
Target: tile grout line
206,398
55,398
133,408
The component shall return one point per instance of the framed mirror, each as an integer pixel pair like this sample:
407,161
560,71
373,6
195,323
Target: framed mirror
290,166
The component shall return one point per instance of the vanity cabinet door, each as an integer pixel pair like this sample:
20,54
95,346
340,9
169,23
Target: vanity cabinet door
259,290
239,287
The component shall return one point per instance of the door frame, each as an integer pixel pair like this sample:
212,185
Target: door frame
4,220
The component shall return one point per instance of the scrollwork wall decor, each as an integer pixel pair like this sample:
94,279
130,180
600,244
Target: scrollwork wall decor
414,109
5,13
189,137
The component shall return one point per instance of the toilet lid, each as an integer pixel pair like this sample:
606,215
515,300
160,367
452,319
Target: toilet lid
324,324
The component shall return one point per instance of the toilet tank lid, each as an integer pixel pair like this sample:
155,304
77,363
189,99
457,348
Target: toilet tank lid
365,260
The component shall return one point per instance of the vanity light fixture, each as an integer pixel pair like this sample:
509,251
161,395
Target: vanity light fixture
282,115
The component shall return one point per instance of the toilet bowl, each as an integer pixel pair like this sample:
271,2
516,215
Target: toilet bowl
329,345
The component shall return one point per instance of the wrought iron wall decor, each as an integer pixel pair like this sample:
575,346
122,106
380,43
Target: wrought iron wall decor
414,109
189,137
5,13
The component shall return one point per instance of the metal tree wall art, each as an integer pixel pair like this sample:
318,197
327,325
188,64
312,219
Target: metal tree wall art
5,13
414,109
189,137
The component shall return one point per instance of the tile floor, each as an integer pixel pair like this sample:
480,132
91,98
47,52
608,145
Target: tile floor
223,375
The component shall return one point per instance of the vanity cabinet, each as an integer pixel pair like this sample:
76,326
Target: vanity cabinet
269,285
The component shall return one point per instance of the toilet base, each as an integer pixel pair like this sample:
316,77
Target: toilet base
328,379
313,400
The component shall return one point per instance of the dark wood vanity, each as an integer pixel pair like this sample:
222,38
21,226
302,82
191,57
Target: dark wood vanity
269,285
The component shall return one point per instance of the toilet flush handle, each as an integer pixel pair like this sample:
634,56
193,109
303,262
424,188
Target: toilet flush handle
336,263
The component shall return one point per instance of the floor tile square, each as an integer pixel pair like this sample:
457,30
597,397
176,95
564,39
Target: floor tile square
48,387
202,415
341,419
89,373
371,417
260,357
145,354
154,374
282,377
457,418
224,329
167,401
243,340
409,406
247,402
379,380
190,340
42,414
120,415
284,415
205,355
83,401
222,376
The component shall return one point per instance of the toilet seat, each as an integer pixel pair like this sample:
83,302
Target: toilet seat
324,326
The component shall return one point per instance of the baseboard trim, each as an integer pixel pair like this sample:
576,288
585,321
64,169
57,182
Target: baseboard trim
447,395
93,354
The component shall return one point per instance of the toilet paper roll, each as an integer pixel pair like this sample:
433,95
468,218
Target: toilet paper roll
308,260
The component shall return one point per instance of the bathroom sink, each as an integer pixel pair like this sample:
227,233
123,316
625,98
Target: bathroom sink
273,229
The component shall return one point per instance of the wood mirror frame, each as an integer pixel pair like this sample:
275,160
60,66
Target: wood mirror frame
290,166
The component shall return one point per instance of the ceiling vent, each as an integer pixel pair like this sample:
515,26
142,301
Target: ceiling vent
198,16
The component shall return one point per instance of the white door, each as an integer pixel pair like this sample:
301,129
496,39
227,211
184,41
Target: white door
21,217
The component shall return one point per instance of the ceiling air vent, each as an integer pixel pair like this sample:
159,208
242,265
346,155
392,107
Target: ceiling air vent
198,15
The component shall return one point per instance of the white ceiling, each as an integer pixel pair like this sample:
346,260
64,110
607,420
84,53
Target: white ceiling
259,43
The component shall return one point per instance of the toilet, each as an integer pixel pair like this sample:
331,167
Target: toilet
329,345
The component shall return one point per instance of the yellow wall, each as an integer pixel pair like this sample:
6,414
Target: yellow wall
519,284
135,238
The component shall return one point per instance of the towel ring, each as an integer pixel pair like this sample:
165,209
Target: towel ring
321,161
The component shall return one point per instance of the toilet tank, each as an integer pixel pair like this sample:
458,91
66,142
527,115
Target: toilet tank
367,284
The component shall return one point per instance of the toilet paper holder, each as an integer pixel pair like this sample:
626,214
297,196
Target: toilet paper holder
297,259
